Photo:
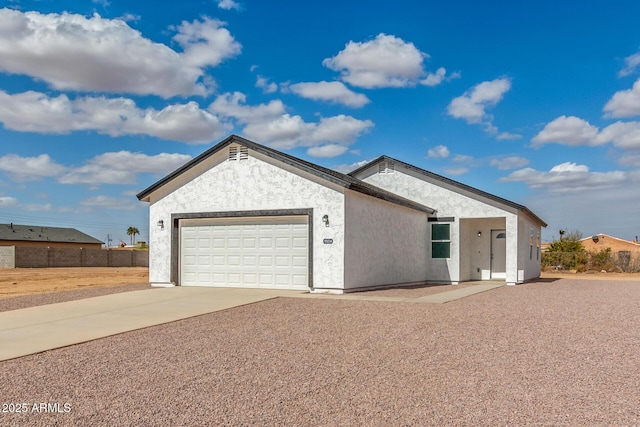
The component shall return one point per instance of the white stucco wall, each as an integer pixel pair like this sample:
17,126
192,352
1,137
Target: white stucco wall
454,202
384,243
529,255
219,185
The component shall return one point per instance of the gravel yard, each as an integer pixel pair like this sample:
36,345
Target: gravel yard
555,352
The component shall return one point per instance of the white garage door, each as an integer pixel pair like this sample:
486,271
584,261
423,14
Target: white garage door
252,252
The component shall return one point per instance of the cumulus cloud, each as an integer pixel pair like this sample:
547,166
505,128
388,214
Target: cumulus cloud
386,61
22,169
438,152
327,150
631,64
121,167
346,168
567,130
568,177
624,103
73,52
434,79
511,162
456,171
270,124
228,4
472,104
37,112
8,202
334,92
574,131
266,86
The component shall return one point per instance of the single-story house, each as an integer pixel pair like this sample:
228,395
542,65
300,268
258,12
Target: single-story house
246,215
39,236
601,241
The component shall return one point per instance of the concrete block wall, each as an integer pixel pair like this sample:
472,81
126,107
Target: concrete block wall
7,256
35,257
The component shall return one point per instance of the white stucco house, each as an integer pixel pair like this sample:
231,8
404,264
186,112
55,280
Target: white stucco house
245,215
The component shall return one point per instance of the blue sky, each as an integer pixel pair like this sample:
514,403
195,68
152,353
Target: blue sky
535,102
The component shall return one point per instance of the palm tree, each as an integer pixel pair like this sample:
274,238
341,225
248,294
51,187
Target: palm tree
132,231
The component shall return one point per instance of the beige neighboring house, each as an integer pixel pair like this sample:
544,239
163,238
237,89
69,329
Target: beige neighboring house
38,236
601,241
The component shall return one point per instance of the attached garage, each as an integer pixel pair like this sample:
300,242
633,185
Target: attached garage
257,252
245,215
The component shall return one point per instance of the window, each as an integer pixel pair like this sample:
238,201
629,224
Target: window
440,241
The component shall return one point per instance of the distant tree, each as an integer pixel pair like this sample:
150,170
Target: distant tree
132,231
570,243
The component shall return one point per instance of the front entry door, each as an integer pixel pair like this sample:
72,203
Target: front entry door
498,254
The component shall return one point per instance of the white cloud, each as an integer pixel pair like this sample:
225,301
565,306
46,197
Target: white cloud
23,169
335,92
205,43
630,160
568,177
269,124
73,52
456,171
625,103
472,104
8,202
263,83
508,136
573,131
122,167
462,158
434,79
386,61
346,168
632,62
36,112
106,202
438,152
234,105
507,163
228,5
567,130
327,150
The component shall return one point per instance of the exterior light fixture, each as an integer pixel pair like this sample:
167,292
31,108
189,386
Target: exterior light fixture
479,233
161,224
325,219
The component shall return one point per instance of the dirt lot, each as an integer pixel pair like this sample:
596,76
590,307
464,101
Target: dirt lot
32,281
548,353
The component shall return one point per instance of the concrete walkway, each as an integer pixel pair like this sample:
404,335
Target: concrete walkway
36,329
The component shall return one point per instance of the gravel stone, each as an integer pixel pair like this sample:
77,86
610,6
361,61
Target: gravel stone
555,352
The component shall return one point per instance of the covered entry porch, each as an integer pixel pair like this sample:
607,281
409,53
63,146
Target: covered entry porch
488,249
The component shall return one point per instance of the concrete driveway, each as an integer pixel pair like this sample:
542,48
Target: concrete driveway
36,329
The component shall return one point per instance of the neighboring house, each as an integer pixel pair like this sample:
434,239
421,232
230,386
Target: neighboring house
242,214
38,236
602,241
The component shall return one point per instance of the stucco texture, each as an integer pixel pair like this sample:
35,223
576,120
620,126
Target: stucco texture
219,185
385,243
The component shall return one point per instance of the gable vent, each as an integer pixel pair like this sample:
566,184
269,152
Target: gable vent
233,153
244,153
238,153
386,167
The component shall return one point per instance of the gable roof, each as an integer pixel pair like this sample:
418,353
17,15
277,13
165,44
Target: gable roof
450,182
343,180
36,233
602,235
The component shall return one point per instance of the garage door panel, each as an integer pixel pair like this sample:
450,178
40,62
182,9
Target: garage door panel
267,252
